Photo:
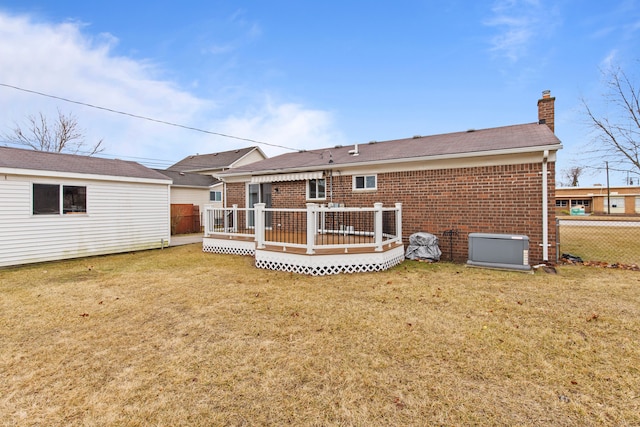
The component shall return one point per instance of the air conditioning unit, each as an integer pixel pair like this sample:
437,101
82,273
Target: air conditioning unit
503,251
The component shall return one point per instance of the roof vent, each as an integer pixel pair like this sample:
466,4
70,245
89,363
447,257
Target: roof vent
354,152
470,130
417,136
373,142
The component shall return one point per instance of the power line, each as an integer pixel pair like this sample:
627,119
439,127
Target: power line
147,118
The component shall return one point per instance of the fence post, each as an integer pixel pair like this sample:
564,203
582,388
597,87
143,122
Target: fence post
377,226
259,223
557,240
311,227
399,221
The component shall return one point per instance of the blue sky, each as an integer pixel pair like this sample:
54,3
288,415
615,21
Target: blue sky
304,74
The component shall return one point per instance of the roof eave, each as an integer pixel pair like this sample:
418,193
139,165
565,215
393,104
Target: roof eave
524,150
76,175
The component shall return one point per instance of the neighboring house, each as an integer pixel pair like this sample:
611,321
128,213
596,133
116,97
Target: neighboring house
190,193
209,164
55,206
194,184
593,200
499,180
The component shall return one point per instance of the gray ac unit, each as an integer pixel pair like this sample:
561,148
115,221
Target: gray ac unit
505,251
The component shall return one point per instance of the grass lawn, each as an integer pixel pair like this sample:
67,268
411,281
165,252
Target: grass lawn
178,337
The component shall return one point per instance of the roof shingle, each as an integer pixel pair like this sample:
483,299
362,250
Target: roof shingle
17,158
526,137
201,162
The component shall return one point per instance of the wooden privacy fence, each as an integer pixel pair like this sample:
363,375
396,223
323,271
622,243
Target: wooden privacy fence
185,219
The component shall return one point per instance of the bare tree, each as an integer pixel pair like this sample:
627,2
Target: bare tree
572,175
617,134
64,135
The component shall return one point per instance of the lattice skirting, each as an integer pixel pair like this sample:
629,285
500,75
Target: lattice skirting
229,247
321,265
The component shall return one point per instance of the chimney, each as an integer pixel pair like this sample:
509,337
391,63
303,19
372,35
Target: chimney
546,110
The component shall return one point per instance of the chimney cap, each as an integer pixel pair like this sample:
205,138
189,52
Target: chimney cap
546,93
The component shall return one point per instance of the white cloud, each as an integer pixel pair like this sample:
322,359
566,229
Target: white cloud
66,61
519,22
609,60
285,125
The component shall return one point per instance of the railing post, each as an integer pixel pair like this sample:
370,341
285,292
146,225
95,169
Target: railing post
259,223
377,226
235,220
399,222
311,227
208,210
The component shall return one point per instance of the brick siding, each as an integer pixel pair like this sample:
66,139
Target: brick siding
491,199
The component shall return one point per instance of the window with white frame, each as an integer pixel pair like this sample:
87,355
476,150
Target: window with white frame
316,189
561,203
51,199
365,182
215,196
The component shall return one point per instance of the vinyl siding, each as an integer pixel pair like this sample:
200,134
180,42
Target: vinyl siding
252,157
120,217
190,196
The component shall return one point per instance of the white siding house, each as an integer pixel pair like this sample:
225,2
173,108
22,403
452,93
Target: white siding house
57,206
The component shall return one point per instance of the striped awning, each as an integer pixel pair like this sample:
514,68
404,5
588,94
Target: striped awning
301,176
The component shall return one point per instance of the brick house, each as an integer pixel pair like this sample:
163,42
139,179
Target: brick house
498,180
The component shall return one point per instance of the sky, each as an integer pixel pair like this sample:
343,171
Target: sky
159,81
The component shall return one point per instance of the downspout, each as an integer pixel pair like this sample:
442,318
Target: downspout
545,208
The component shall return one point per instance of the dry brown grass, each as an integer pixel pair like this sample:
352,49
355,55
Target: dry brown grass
607,243
178,337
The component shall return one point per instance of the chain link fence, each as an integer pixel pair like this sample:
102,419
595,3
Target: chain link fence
594,240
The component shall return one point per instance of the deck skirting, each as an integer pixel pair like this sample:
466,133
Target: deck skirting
318,264
228,246
321,265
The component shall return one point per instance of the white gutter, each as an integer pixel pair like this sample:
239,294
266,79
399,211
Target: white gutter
545,208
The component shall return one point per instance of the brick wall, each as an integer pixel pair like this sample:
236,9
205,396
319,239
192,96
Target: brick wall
491,199
546,111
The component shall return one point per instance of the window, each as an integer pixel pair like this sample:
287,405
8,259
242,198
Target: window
580,202
47,198
215,196
74,199
316,189
561,203
365,182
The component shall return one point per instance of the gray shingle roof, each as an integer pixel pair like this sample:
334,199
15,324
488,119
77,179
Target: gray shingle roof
188,179
526,137
202,162
17,158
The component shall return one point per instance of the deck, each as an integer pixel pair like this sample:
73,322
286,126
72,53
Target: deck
315,241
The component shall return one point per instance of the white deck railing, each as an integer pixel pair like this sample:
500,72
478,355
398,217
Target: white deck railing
310,229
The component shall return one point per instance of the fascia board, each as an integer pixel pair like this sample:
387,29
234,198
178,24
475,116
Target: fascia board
82,176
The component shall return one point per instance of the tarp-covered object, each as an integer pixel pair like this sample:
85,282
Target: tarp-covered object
423,246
